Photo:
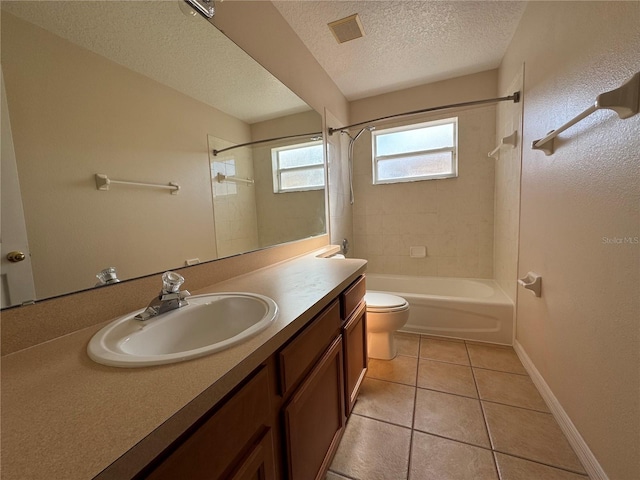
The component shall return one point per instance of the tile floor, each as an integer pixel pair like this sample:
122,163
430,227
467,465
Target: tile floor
452,410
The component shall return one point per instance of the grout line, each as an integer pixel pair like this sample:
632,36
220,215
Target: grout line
445,361
501,371
388,422
564,469
343,475
484,416
449,393
455,440
390,381
413,417
516,406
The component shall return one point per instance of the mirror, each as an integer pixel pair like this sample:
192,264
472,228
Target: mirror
143,92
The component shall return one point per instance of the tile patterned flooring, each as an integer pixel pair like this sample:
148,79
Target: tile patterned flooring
452,410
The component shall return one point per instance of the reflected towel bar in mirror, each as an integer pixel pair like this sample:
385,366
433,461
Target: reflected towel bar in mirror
228,178
103,183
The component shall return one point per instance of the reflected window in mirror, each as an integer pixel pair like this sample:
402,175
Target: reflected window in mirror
298,168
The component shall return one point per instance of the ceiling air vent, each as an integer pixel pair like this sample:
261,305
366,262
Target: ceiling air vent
346,29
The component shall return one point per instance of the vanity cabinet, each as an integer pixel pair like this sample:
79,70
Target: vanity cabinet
235,442
314,418
354,335
286,419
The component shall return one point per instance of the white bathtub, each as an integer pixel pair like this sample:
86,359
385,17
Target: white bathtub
470,309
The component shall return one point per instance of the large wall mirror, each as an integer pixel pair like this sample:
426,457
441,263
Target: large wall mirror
143,92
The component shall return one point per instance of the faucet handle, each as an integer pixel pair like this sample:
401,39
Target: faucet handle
171,282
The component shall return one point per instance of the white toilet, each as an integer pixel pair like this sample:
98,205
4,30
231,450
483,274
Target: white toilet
386,313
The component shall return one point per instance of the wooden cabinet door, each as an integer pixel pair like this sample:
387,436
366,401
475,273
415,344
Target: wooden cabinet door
259,462
354,334
315,417
226,439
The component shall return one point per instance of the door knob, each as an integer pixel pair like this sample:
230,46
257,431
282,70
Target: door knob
15,257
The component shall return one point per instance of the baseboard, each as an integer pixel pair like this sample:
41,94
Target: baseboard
586,456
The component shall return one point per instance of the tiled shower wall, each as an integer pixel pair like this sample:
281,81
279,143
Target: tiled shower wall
452,218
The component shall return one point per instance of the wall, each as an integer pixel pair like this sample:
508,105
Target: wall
283,216
259,29
582,335
136,130
453,218
508,164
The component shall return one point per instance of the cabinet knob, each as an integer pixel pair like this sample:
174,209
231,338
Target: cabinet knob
15,257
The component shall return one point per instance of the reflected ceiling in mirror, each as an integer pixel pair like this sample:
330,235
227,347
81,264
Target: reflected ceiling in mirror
140,92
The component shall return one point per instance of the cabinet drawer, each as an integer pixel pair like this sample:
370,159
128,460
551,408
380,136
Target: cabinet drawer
222,440
298,357
352,296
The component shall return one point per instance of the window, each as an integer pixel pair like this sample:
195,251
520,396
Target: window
415,152
298,167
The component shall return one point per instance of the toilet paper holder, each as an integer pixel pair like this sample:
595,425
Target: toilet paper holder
533,282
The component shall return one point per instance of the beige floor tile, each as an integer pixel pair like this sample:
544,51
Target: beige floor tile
434,458
407,344
372,450
451,416
446,377
509,388
448,339
496,357
401,369
386,401
444,351
528,434
334,476
512,468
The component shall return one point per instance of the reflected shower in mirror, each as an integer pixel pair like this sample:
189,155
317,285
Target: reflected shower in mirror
117,88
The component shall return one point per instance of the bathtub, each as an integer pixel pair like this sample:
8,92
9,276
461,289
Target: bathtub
469,309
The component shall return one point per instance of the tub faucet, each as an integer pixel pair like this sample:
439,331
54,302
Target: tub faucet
169,298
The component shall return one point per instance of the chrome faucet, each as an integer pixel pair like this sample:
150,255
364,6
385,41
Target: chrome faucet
170,297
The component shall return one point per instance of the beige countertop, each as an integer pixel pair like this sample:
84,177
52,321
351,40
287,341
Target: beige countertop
66,417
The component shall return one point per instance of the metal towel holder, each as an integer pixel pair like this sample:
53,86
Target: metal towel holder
623,100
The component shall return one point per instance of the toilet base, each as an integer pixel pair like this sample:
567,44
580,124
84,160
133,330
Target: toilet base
381,346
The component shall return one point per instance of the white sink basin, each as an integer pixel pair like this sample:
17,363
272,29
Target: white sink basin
209,323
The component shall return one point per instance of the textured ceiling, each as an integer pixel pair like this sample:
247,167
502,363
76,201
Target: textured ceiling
156,39
406,43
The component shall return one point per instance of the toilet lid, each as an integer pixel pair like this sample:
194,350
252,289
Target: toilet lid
384,301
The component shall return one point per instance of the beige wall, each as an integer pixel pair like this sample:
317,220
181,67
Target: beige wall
453,218
508,163
259,29
583,334
72,102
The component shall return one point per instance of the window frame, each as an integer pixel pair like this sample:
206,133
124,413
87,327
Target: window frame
277,171
415,126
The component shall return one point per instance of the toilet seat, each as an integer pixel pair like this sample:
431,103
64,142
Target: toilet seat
379,302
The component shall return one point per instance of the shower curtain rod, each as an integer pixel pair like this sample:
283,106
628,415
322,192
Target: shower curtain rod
313,134
515,97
